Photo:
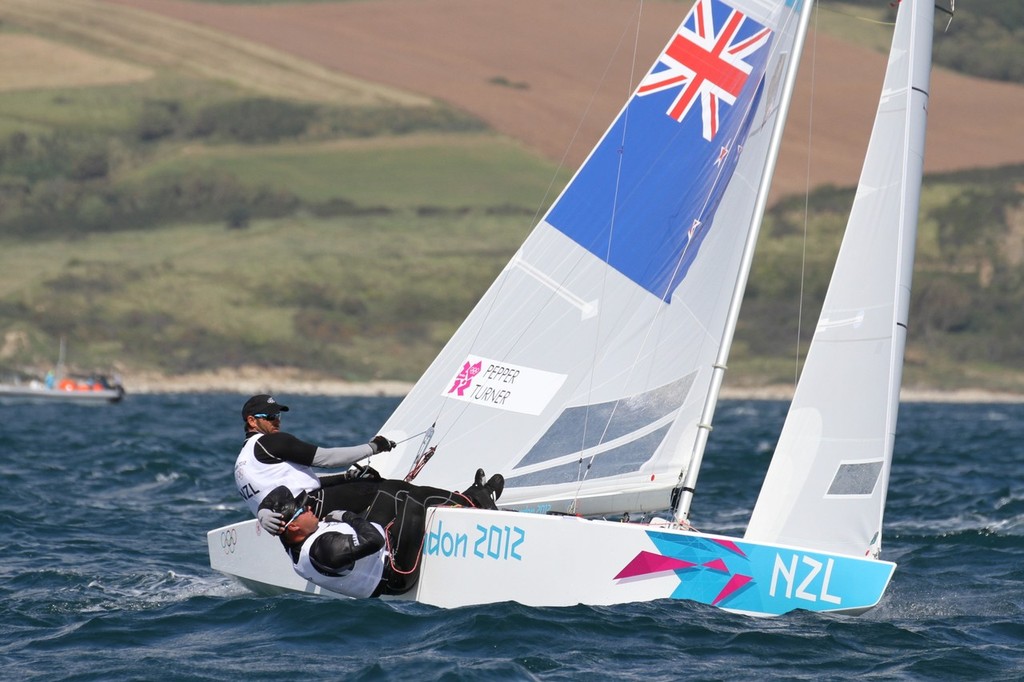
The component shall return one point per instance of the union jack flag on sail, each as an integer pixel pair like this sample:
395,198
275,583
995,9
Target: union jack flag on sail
705,62
647,197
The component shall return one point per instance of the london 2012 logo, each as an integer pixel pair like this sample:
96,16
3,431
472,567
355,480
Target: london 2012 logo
501,543
465,378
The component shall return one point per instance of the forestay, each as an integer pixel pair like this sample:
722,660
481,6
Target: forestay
582,373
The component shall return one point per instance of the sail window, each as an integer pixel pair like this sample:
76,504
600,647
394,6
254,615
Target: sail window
581,428
624,459
855,478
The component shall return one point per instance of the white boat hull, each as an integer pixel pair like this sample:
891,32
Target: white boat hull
31,394
473,556
257,559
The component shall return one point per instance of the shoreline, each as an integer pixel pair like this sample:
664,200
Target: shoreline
253,380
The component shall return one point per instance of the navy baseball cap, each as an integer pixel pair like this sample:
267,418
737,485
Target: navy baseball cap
262,404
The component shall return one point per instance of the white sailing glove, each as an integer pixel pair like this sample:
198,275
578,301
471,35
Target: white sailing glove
271,521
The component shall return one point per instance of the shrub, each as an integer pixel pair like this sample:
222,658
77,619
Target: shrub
253,120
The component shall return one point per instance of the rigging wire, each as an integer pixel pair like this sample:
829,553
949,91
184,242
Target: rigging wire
858,17
581,472
807,197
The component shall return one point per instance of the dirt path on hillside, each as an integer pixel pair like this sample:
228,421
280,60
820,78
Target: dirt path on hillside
531,69
155,41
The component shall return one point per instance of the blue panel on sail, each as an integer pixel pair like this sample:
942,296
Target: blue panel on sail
647,195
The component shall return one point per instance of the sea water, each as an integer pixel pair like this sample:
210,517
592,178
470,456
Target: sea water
105,574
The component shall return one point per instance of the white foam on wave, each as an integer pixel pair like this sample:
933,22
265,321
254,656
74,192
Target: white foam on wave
151,590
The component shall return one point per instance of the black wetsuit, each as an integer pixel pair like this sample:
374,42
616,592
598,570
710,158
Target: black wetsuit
339,492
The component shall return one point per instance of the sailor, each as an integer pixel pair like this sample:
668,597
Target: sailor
374,553
270,457
343,553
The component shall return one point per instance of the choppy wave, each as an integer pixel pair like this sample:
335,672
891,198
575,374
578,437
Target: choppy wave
106,574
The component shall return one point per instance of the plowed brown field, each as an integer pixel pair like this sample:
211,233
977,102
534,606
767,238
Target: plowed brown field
533,68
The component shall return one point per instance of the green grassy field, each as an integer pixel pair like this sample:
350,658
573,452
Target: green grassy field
135,232
446,171
367,297
433,215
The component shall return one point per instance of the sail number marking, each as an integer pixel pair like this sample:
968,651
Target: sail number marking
500,543
803,576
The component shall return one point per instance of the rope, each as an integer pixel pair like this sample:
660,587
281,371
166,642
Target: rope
391,554
423,538
420,462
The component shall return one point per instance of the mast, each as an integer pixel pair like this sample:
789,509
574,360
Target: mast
683,494
59,372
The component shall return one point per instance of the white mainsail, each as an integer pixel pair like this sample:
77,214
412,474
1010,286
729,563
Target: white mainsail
583,372
827,482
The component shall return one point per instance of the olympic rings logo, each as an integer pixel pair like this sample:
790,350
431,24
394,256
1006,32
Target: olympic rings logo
228,540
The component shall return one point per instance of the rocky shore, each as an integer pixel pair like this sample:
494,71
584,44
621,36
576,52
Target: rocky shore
252,380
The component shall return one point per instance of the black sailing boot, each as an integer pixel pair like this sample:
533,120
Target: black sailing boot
495,484
482,495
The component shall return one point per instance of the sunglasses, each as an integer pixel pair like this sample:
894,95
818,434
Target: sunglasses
276,417
298,512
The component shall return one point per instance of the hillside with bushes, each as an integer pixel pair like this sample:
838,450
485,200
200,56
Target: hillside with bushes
166,213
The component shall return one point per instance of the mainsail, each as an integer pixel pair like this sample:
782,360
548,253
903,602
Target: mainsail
827,482
583,372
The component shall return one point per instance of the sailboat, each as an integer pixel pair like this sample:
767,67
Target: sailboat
60,386
589,372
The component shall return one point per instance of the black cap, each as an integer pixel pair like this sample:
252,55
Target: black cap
262,404
280,501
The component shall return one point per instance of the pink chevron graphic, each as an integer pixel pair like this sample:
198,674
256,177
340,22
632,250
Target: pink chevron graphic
729,545
735,583
649,562
717,565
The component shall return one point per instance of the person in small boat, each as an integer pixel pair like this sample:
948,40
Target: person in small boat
343,552
374,553
270,457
